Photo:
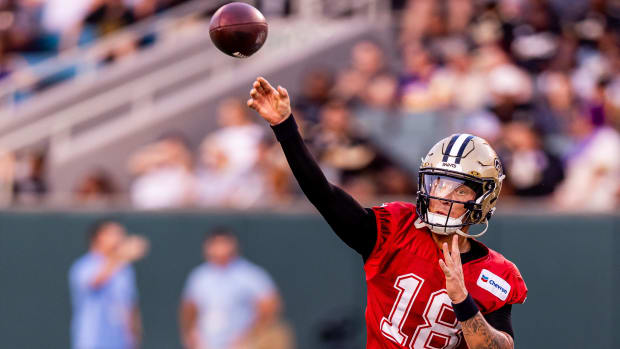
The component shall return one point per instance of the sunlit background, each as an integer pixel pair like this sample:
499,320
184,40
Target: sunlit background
125,109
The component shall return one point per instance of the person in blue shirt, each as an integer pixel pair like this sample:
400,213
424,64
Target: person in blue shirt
227,299
103,290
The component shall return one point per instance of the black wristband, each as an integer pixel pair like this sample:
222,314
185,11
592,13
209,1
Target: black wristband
466,309
286,129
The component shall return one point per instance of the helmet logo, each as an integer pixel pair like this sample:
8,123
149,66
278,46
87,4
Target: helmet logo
498,166
451,166
447,164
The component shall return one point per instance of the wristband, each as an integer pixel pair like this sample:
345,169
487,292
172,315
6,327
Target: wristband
466,309
286,129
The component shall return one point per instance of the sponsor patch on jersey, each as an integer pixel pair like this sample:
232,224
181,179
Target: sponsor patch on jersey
494,284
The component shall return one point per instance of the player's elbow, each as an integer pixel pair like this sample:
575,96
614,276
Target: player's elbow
510,344
492,339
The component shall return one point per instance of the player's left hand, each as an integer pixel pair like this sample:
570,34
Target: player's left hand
453,270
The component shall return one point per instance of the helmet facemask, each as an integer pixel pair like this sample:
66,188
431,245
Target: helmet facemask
449,201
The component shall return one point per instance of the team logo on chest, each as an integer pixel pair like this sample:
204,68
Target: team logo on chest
494,284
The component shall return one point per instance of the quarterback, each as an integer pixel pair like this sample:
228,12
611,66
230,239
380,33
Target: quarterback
430,283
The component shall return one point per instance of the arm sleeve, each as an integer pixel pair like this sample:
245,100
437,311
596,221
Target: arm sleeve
191,290
82,275
260,284
501,319
133,286
353,224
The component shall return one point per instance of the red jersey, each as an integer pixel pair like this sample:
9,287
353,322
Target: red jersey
407,305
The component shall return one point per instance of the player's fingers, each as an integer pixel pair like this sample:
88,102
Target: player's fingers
444,268
256,85
265,84
250,103
446,254
254,93
282,91
456,253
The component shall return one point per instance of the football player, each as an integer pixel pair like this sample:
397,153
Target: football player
430,283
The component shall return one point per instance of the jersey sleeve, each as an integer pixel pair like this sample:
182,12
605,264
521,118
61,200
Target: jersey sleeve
191,290
392,219
259,283
495,282
82,274
518,292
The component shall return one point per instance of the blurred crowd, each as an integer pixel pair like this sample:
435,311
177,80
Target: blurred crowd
539,79
32,31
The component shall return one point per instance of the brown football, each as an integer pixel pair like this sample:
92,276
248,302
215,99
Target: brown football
238,29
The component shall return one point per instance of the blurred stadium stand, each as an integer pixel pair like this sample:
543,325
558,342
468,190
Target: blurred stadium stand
538,90
93,118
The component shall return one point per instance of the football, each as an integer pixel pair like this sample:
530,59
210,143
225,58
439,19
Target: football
238,29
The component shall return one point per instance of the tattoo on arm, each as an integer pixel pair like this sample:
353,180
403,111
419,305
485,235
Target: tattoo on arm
480,335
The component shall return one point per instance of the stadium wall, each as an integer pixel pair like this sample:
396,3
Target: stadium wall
571,265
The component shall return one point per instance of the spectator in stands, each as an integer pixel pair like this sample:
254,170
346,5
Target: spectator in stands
103,290
395,182
7,175
143,8
510,86
229,156
274,7
338,144
22,26
530,170
593,169
274,175
125,46
414,83
362,187
367,61
381,93
163,174
458,84
229,302
554,108
315,91
29,184
109,15
65,23
95,188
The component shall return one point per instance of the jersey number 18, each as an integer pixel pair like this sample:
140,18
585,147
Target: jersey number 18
440,329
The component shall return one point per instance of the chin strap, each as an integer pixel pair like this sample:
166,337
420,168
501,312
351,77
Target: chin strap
419,224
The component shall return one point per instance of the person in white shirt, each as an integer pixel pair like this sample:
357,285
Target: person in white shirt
227,300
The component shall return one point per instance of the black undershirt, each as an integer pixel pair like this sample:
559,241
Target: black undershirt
354,224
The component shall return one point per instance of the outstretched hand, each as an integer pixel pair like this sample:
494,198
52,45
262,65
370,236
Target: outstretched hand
453,270
272,104
133,248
